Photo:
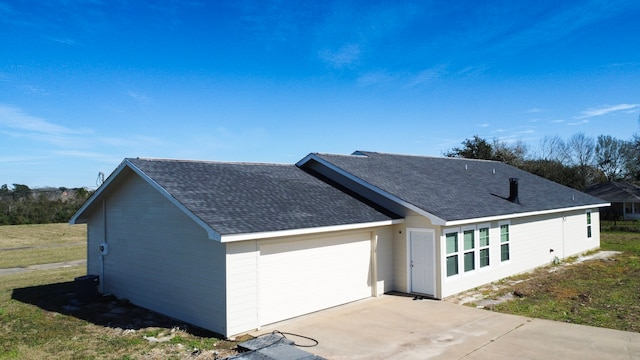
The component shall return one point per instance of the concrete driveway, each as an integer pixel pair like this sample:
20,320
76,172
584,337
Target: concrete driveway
398,327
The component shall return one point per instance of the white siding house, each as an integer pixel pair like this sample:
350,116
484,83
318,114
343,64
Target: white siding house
231,247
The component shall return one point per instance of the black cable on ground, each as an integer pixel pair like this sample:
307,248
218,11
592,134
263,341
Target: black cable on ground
284,335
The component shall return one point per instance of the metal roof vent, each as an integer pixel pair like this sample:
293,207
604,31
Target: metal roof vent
513,191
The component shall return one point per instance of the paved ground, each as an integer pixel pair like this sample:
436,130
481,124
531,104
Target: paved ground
15,270
398,327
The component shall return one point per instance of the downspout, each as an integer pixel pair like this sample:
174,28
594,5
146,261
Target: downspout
374,263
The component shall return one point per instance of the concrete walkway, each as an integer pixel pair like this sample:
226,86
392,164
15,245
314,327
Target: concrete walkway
57,265
398,327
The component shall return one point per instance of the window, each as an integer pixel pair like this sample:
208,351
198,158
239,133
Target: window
628,208
452,254
484,246
636,208
589,224
469,250
504,242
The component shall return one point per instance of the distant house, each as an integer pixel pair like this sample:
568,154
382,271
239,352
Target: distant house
623,196
234,246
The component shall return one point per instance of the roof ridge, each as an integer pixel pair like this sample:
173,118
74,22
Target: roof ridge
209,161
361,153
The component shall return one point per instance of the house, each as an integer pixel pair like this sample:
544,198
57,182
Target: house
231,247
623,196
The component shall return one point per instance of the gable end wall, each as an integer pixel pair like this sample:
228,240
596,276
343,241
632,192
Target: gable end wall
158,257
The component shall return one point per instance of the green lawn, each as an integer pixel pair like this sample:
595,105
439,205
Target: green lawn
24,245
603,293
41,319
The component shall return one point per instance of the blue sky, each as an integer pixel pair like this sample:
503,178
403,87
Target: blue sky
84,84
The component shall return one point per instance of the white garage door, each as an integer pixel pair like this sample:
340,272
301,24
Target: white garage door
304,276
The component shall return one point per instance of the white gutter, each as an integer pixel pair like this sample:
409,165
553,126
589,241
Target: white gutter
306,231
519,215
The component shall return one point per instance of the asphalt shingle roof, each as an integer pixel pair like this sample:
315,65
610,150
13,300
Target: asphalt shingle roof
238,198
457,189
615,191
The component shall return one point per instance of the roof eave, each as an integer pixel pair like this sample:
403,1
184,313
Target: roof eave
78,219
520,215
306,231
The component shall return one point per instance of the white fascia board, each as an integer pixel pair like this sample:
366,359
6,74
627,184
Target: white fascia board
434,219
519,215
212,234
306,231
96,194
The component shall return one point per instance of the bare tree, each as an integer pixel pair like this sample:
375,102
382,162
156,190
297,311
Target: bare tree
632,159
553,148
581,149
512,154
610,156
581,155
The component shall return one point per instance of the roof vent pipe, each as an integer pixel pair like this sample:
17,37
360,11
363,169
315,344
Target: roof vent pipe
513,191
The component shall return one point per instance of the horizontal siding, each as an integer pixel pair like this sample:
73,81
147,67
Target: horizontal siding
384,254
534,242
95,237
576,229
400,254
160,259
242,286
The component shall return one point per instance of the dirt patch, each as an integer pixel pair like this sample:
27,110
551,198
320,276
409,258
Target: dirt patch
122,321
527,284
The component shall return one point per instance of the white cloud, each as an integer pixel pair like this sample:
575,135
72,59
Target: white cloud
428,75
14,119
22,159
375,78
105,158
606,109
139,98
345,56
581,122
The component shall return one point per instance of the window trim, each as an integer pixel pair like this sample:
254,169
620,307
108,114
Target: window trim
485,247
589,224
507,243
461,253
473,250
453,254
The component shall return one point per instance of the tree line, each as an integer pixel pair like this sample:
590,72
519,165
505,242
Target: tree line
578,161
20,204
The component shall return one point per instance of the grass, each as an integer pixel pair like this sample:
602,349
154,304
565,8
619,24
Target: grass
25,245
603,293
40,317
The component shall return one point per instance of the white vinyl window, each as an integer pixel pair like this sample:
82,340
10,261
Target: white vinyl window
483,234
588,224
469,243
505,242
467,249
452,253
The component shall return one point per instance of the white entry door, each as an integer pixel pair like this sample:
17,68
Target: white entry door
422,261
